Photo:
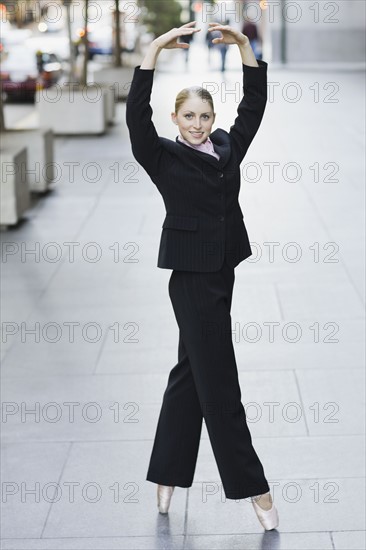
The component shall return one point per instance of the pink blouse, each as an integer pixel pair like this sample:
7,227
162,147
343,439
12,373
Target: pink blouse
205,147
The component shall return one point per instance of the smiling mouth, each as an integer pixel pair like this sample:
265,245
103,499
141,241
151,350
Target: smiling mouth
196,133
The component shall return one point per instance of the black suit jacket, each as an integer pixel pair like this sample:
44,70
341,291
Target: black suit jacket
204,221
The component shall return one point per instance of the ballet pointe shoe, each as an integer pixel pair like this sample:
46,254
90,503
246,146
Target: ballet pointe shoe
164,495
266,511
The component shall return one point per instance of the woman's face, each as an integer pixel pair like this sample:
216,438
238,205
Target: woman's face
194,119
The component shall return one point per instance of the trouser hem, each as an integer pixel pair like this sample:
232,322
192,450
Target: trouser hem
168,482
247,492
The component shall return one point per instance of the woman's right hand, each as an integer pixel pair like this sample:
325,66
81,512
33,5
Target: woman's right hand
169,39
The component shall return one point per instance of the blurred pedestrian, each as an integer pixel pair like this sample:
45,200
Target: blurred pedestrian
186,39
209,44
40,63
250,30
219,45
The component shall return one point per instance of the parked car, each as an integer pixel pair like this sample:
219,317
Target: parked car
3,51
24,71
49,24
101,41
11,35
5,27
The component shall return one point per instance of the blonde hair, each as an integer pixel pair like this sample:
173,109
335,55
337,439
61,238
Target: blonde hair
187,93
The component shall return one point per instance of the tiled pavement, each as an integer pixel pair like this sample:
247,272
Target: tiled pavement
73,473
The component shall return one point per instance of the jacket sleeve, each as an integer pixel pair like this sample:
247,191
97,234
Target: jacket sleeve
145,142
250,109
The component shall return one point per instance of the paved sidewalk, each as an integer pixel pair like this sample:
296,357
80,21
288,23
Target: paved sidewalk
104,337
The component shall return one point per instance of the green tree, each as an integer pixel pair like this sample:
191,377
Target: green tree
160,15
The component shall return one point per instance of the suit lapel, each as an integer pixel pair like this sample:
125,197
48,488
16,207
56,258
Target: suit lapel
221,143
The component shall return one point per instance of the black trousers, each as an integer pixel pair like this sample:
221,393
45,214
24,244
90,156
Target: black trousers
204,384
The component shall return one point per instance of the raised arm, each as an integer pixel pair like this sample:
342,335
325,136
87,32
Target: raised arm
252,105
250,109
145,143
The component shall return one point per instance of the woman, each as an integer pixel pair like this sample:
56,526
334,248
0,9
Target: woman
203,239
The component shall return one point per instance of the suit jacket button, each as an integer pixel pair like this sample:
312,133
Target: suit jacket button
221,218
221,175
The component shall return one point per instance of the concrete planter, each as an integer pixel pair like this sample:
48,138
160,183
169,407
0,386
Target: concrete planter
110,91
72,110
120,77
40,154
15,192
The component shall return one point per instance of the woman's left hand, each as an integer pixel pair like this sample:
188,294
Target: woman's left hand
229,35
